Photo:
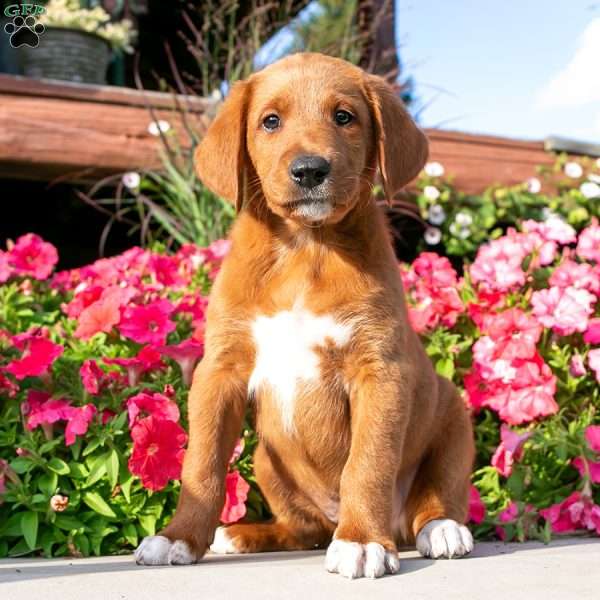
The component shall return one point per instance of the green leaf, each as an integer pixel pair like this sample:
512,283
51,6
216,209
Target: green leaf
21,464
47,483
147,524
112,468
130,533
68,522
58,466
98,504
12,527
97,471
91,446
29,525
78,470
20,548
445,367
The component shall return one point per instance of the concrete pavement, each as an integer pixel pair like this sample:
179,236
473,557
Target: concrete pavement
567,569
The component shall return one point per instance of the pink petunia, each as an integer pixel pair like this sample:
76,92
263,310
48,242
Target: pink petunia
577,275
158,451
41,409
147,359
588,245
166,271
476,506
575,512
594,362
38,355
186,354
577,366
592,436
509,450
103,314
78,422
6,270
565,310
236,494
553,229
91,376
153,404
592,333
587,468
8,387
33,257
148,324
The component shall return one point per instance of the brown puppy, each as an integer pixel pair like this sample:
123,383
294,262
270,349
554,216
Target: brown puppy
360,440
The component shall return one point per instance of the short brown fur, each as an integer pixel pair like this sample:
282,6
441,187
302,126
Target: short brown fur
381,414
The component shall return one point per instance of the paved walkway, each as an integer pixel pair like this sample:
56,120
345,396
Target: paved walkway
568,569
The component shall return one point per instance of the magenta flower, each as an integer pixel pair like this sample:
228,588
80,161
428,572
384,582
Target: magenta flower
577,366
592,333
33,257
151,404
592,436
578,511
497,266
186,354
236,494
509,450
594,362
588,246
165,271
91,376
158,451
148,324
147,359
578,275
41,409
476,506
78,422
7,386
564,310
551,230
587,468
6,271
38,355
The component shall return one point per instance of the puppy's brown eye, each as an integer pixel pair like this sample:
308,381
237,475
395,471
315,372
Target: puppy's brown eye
271,122
343,117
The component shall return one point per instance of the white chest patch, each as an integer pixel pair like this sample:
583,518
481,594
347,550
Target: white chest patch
285,353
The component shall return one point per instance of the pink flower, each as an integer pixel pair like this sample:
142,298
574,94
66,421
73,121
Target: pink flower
575,512
594,362
165,270
6,271
7,386
147,359
476,506
576,366
497,266
38,355
565,310
514,333
578,275
236,494
553,229
194,305
158,451
588,246
587,468
592,333
78,422
592,435
153,404
104,313
148,324
33,257
509,450
91,376
186,354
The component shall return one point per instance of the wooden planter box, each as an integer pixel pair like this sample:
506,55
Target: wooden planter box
79,132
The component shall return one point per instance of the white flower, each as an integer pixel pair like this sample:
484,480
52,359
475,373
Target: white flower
463,219
432,236
436,214
131,180
590,189
593,177
431,192
460,231
434,169
573,170
534,185
156,127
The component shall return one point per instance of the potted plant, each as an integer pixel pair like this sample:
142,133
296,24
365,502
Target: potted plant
77,43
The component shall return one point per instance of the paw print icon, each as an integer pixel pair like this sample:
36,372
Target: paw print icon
24,32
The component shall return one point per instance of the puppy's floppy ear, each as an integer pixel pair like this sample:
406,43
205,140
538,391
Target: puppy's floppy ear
401,146
221,157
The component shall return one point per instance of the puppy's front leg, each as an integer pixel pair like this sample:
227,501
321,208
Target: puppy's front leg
216,408
363,544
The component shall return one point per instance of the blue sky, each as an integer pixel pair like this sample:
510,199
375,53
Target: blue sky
525,69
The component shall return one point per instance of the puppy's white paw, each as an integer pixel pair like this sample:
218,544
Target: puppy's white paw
444,538
353,560
223,544
159,550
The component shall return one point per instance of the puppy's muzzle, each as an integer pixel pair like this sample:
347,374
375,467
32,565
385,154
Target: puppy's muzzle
309,171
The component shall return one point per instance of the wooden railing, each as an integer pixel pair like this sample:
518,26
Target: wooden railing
82,132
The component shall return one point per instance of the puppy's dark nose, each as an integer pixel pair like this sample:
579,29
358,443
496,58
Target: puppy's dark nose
309,171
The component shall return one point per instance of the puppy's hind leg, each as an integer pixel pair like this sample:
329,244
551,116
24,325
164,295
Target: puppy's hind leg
437,505
296,524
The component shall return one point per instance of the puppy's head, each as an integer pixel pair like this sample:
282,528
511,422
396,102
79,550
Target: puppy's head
311,131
